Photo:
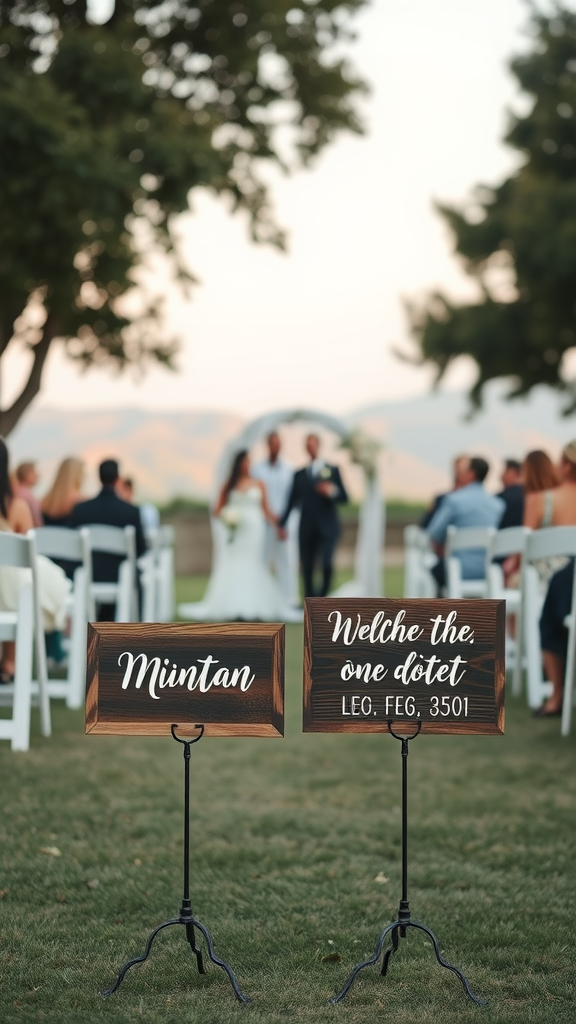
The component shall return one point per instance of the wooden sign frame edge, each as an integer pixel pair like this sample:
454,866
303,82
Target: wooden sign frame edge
440,728
275,729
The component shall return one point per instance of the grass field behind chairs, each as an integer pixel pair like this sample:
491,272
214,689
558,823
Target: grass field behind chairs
296,847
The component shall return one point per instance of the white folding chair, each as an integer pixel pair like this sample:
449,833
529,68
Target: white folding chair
554,542
507,542
418,560
470,538
116,540
23,626
59,542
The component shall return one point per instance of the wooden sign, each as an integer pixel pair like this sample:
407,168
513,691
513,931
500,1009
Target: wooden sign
144,677
437,662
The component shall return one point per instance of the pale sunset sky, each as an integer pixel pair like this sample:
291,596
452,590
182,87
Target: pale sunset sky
316,327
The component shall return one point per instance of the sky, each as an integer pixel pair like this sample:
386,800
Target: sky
319,326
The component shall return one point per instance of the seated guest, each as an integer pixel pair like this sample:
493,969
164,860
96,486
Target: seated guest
107,509
26,479
470,505
64,494
558,601
459,468
540,479
56,507
512,495
53,587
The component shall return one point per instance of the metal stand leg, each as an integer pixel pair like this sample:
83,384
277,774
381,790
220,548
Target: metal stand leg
397,930
185,917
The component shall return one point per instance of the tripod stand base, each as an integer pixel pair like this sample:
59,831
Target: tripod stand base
398,930
190,923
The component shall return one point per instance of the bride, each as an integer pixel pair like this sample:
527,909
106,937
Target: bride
240,586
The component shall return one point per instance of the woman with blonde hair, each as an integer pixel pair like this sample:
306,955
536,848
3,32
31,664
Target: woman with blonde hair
64,494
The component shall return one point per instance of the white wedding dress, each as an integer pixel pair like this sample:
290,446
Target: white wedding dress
240,586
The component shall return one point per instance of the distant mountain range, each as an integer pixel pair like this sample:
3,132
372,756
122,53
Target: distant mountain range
175,453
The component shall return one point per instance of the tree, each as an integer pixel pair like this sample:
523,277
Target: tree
518,241
106,128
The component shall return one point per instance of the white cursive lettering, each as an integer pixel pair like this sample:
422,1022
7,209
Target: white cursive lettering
193,677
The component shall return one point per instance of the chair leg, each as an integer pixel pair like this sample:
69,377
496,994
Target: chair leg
42,672
23,670
124,597
536,689
77,662
568,698
166,585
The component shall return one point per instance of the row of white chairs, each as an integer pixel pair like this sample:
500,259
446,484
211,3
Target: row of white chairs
524,603
24,626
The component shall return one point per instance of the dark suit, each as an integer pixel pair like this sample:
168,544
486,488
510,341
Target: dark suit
514,512
319,525
107,509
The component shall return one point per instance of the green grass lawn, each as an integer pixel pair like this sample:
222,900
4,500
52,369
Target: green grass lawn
296,847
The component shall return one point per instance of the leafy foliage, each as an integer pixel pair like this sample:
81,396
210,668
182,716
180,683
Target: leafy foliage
519,240
106,128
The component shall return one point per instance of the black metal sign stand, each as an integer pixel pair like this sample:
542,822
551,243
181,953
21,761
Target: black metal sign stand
398,928
185,918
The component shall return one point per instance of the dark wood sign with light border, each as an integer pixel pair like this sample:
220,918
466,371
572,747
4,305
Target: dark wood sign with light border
438,663
144,677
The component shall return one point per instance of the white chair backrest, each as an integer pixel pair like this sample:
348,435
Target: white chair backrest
468,537
15,550
114,540
61,542
511,541
551,542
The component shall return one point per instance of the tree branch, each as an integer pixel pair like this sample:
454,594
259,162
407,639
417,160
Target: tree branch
9,417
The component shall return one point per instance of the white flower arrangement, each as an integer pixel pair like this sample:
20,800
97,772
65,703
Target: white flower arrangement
231,518
363,450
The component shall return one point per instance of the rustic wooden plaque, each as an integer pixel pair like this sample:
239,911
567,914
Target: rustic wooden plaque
435,662
144,677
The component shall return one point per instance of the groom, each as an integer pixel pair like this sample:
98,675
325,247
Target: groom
316,490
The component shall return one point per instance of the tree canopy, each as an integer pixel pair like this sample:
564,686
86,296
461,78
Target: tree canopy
518,240
106,128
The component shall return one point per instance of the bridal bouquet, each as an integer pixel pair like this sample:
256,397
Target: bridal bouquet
363,450
231,518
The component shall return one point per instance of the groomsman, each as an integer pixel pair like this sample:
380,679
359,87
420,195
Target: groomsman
277,477
316,491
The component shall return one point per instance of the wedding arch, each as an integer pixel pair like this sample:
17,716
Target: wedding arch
367,581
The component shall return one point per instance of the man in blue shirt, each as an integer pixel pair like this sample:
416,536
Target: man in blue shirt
471,505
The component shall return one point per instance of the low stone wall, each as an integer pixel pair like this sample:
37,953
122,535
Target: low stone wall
193,555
